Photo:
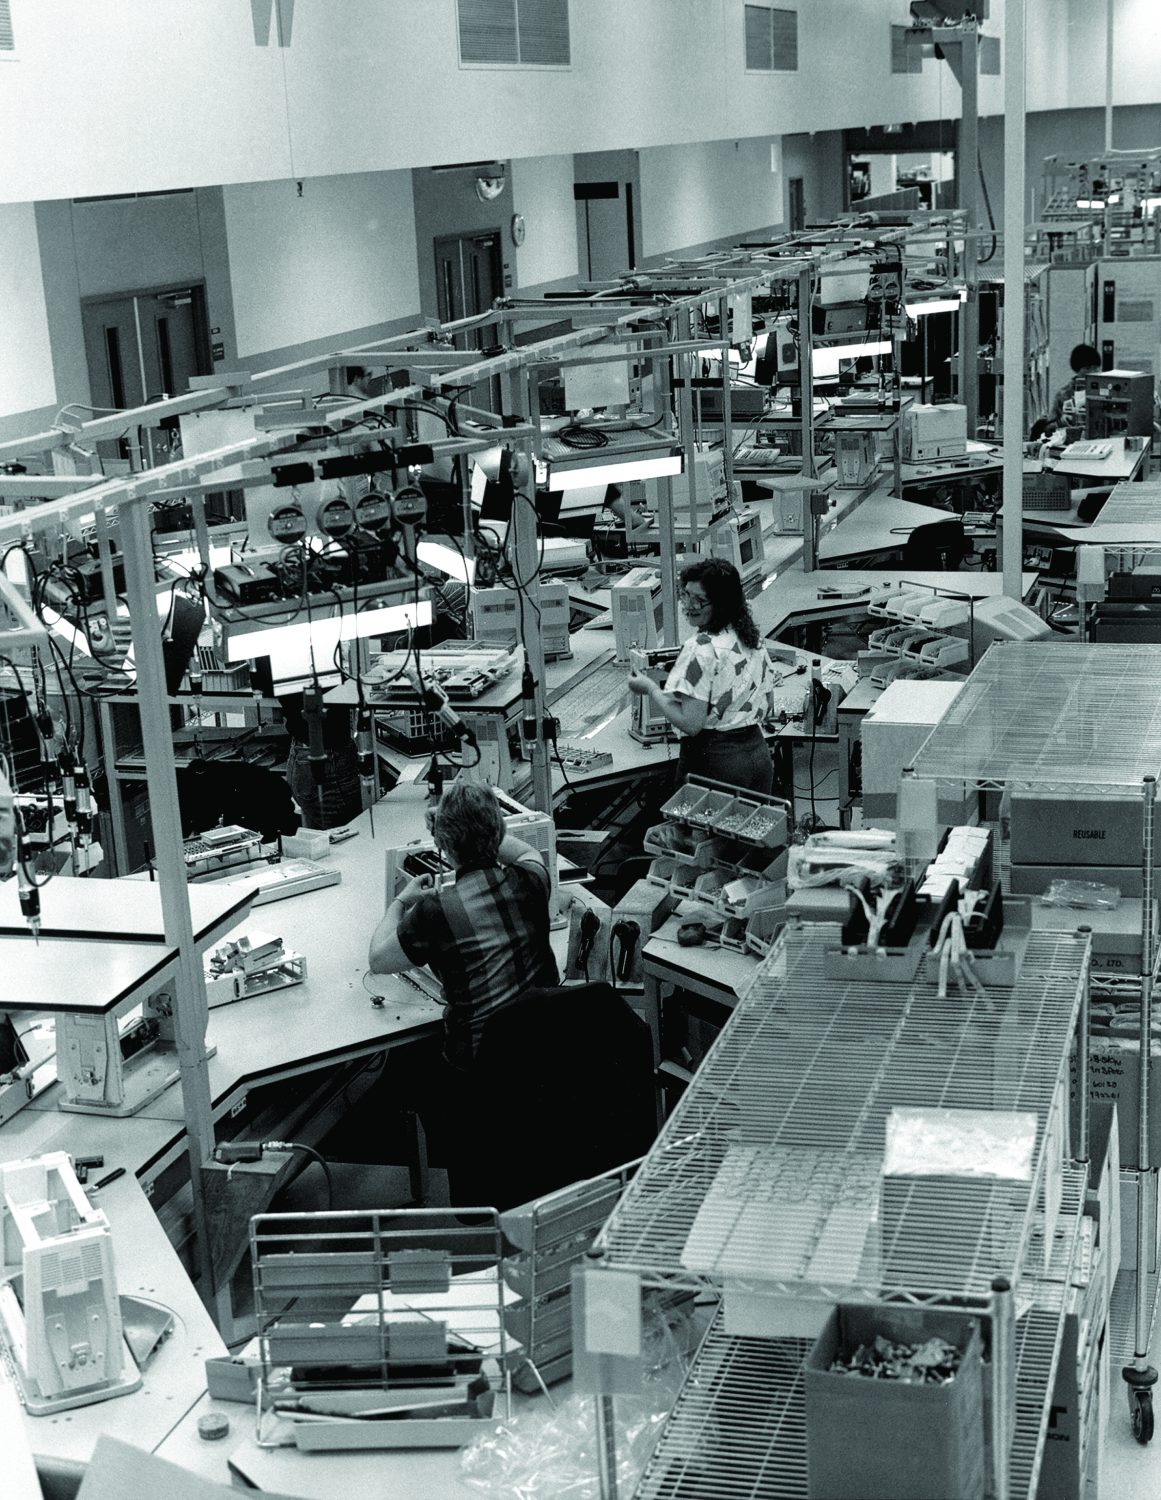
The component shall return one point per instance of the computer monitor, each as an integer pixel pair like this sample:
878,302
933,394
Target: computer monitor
445,506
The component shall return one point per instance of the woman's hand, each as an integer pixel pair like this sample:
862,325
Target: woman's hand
418,885
640,683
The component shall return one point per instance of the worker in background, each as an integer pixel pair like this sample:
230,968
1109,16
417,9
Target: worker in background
486,936
1084,360
634,515
717,694
322,767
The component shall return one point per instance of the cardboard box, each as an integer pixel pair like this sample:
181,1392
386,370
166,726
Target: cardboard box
867,1439
1113,1078
1086,830
1116,934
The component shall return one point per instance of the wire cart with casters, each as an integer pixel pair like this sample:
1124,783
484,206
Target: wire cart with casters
1078,721
803,1079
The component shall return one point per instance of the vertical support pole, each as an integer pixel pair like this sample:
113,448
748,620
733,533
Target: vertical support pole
606,1447
727,405
685,425
525,564
1082,1054
1145,1231
1003,1394
1012,536
806,368
191,1010
662,396
969,149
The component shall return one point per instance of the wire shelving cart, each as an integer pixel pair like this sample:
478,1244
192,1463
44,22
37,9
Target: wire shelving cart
763,1178
1085,721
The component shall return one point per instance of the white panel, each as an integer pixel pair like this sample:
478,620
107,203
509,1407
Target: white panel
341,257
542,192
691,194
26,378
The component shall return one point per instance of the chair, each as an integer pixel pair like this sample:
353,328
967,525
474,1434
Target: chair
565,1076
938,548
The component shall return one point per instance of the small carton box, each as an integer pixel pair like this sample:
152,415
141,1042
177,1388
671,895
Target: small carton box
866,1438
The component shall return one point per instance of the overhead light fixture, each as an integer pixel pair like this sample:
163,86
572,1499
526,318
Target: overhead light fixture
447,559
616,473
490,185
857,351
934,305
324,635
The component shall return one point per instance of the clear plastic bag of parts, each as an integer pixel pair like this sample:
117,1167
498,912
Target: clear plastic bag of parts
1084,895
543,1453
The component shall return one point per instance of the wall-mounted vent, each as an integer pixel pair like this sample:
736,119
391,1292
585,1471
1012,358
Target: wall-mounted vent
904,59
771,40
7,35
514,33
126,197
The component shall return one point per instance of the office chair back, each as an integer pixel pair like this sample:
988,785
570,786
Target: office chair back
564,1078
938,548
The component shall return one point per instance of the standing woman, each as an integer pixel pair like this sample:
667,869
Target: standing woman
717,694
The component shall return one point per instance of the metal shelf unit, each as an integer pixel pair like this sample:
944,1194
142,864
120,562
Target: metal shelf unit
806,1072
1078,719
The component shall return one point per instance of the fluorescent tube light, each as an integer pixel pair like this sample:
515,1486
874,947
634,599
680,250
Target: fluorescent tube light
323,635
615,473
935,305
856,351
447,560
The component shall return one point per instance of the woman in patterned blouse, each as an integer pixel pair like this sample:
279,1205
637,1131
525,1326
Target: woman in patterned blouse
717,694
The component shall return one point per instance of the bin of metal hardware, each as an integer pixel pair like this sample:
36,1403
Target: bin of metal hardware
708,886
685,802
894,1406
711,810
1080,722
767,826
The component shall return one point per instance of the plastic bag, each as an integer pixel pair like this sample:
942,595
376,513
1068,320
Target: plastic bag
545,1454
1084,895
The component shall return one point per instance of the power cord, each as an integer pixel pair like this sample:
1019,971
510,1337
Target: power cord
231,1153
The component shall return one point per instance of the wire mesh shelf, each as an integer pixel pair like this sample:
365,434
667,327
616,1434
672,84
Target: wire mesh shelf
1133,504
1122,1334
1063,715
738,1426
769,1168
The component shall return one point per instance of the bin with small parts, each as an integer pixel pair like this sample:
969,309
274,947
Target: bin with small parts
894,1405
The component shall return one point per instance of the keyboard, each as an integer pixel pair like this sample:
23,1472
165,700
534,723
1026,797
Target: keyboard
762,456
594,698
1089,449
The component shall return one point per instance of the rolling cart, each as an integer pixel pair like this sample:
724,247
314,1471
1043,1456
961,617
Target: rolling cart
764,1187
1083,721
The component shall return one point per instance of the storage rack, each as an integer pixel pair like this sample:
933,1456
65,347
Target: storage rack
1082,720
812,1065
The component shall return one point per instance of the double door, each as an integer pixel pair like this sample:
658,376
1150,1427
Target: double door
140,347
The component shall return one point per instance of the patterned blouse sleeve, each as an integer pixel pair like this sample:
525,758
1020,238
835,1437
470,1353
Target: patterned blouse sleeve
692,673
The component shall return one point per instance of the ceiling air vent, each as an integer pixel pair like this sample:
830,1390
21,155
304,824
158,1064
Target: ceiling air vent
514,33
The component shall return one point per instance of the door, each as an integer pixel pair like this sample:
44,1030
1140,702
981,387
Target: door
796,188
607,239
140,347
469,276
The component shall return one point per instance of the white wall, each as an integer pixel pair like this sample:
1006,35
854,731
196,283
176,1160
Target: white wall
341,257
705,191
26,375
143,94
542,192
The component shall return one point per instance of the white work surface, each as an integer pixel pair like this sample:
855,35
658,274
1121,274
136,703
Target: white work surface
175,1379
794,598
1126,456
76,974
881,524
110,910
